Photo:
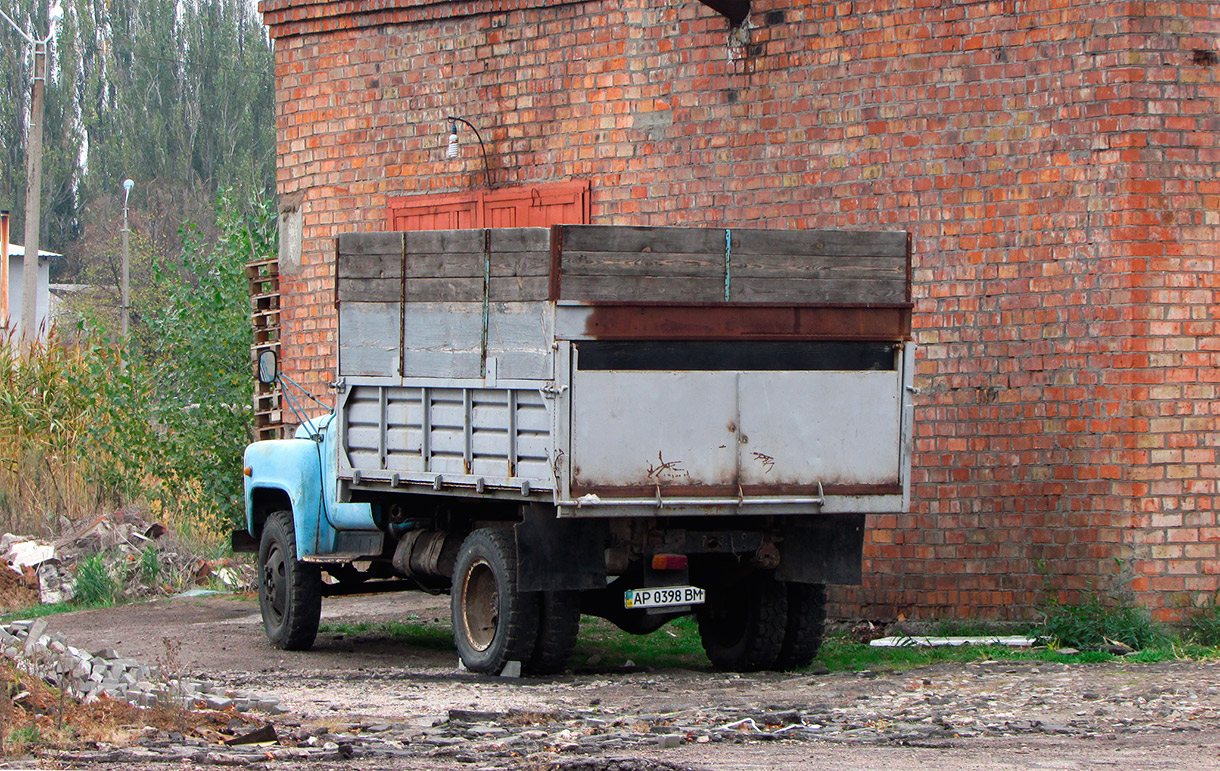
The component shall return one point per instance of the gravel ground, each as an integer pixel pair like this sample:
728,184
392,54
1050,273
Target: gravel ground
375,703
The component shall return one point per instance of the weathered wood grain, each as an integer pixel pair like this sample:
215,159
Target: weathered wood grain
369,290
818,267
641,289
518,289
605,263
816,291
353,244
592,238
830,243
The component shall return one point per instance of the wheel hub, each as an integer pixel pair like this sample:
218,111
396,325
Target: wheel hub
480,605
274,584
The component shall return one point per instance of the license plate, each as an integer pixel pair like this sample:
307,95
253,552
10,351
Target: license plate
663,597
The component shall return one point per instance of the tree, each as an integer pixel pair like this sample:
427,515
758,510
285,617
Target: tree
175,94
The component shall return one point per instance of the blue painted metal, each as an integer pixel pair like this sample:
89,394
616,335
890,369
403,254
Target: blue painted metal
306,470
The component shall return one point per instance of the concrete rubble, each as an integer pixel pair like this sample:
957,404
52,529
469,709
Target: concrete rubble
90,675
134,551
932,707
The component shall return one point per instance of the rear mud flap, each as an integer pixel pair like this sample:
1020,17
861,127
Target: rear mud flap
559,555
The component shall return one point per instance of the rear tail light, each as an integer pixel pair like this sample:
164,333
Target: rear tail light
669,562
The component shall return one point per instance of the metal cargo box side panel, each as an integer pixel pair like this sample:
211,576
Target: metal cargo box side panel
648,430
464,435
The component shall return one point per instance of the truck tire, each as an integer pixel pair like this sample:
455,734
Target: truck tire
558,628
743,624
806,620
493,622
289,591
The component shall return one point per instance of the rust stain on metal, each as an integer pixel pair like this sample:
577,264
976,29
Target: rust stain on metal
667,470
616,321
767,461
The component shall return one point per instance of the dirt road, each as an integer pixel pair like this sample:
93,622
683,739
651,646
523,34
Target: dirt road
362,701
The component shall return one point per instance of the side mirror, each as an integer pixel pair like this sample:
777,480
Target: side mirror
268,367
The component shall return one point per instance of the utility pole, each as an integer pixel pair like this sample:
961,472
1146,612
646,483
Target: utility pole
33,202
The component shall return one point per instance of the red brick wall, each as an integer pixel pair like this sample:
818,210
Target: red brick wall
1056,161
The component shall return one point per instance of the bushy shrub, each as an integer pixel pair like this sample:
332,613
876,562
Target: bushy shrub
88,424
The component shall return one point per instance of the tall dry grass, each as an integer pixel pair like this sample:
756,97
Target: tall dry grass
81,434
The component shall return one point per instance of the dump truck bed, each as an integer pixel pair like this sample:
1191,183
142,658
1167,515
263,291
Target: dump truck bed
618,371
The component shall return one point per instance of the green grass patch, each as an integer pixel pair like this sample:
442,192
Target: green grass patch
431,636
38,611
675,645
1203,624
1100,620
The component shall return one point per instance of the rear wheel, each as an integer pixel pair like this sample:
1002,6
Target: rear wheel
289,591
806,620
558,628
493,622
743,623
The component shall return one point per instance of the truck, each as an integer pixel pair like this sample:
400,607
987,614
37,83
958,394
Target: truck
636,423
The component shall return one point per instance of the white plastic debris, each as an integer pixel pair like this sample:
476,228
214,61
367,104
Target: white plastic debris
1008,641
31,553
589,499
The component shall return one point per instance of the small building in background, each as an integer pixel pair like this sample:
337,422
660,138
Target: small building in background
16,269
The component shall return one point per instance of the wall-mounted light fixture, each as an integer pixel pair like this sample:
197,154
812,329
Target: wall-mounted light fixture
452,150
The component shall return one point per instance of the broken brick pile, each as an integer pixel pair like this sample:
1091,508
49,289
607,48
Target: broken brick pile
90,675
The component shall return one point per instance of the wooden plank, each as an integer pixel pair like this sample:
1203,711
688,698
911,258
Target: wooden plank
605,263
368,335
369,265
355,244
819,267
458,264
589,238
502,240
816,291
369,290
830,243
469,289
459,288
519,289
641,289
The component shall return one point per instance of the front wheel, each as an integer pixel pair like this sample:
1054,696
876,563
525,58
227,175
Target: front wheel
289,591
493,622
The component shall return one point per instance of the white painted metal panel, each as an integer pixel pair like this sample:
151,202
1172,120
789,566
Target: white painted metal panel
644,428
828,427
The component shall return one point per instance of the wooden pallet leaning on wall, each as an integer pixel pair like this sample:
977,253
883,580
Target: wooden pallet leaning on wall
264,278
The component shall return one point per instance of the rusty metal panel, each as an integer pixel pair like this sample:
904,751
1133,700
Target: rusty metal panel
622,321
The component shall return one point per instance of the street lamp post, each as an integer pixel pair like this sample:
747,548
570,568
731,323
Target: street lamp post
127,186
33,175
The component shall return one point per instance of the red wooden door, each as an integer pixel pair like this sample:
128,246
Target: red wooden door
561,203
